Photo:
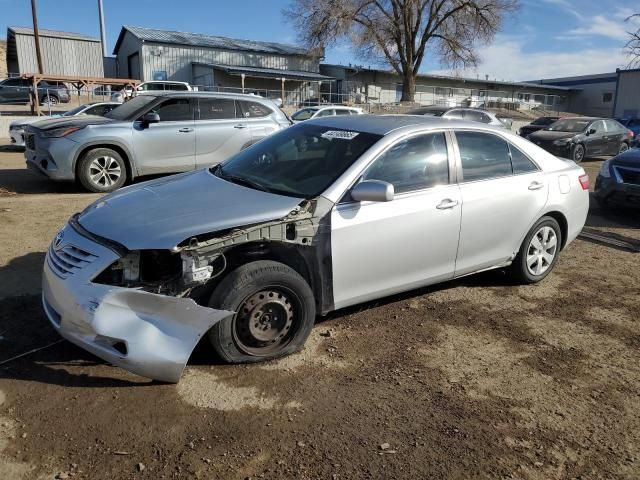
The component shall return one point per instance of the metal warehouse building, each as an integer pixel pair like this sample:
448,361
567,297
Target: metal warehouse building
63,53
216,63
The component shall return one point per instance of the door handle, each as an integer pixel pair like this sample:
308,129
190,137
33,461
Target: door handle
186,130
240,126
536,186
446,204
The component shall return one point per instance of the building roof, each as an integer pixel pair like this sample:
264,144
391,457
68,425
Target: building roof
51,33
269,72
462,79
210,41
578,80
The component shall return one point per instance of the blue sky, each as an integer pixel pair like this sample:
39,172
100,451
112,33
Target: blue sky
546,38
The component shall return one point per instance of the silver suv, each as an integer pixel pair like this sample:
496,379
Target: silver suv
150,134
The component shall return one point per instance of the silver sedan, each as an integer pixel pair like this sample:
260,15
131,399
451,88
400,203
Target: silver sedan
323,215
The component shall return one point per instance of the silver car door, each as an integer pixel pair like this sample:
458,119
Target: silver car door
167,146
382,248
219,132
257,118
499,201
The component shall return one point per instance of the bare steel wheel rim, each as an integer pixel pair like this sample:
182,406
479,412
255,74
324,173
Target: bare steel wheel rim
542,251
266,321
104,171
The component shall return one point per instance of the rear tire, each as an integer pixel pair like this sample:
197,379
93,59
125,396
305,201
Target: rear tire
102,170
538,253
623,147
275,312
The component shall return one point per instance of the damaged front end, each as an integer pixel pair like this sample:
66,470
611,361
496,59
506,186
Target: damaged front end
136,308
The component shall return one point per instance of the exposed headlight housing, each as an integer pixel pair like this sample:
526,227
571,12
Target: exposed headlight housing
60,132
605,169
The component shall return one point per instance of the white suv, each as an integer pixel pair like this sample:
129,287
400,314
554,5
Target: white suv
153,86
325,111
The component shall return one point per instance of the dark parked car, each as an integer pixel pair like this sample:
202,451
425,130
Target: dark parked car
619,180
538,124
463,113
580,137
16,90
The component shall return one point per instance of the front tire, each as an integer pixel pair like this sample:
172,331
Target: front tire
275,312
539,252
50,100
578,153
102,170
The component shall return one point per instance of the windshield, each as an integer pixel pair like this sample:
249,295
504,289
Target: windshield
434,111
304,114
131,110
569,125
301,161
74,111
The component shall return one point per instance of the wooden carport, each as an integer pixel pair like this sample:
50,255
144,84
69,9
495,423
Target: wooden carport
78,82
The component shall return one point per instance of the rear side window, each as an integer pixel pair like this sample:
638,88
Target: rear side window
217,108
254,109
483,156
520,162
325,113
475,116
339,111
613,126
413,164
457,114
174,110
177,86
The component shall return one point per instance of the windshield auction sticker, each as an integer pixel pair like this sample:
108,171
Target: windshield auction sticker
340,134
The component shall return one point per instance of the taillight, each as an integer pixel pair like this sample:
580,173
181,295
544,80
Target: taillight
584,181
630,133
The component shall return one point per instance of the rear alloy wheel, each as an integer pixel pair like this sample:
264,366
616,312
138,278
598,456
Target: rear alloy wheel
102,170
578,153
50,100
275,312
539,251
623,147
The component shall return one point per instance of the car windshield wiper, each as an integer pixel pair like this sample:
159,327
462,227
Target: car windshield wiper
217,170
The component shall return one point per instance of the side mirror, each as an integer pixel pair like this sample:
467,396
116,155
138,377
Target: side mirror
150,118
372,191
591,131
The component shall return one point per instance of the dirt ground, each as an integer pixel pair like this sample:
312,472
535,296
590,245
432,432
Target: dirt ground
475,378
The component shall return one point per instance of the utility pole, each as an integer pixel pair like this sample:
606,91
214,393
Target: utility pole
103,33
36,36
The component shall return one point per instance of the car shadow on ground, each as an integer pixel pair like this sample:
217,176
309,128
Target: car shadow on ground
23,181
611,217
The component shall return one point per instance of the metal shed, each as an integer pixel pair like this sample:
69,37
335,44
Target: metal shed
152,54
63,53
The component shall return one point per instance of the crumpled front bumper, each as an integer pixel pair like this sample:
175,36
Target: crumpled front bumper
148,334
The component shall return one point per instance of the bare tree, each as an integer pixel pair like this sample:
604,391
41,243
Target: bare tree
632,47
401,32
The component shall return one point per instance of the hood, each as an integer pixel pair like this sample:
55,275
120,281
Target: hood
27,121
79,121
533,128
547,135
630,158
164,212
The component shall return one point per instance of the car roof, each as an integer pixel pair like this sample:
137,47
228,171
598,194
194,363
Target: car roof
173,93
589,119
384,124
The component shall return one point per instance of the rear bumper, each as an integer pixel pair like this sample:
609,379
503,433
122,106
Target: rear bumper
610,190
147,334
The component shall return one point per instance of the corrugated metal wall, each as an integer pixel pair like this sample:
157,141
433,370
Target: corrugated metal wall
628,96
176,61
60,56
130,45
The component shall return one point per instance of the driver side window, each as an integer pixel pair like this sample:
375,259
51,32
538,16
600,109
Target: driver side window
414,164
598,126
174,110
